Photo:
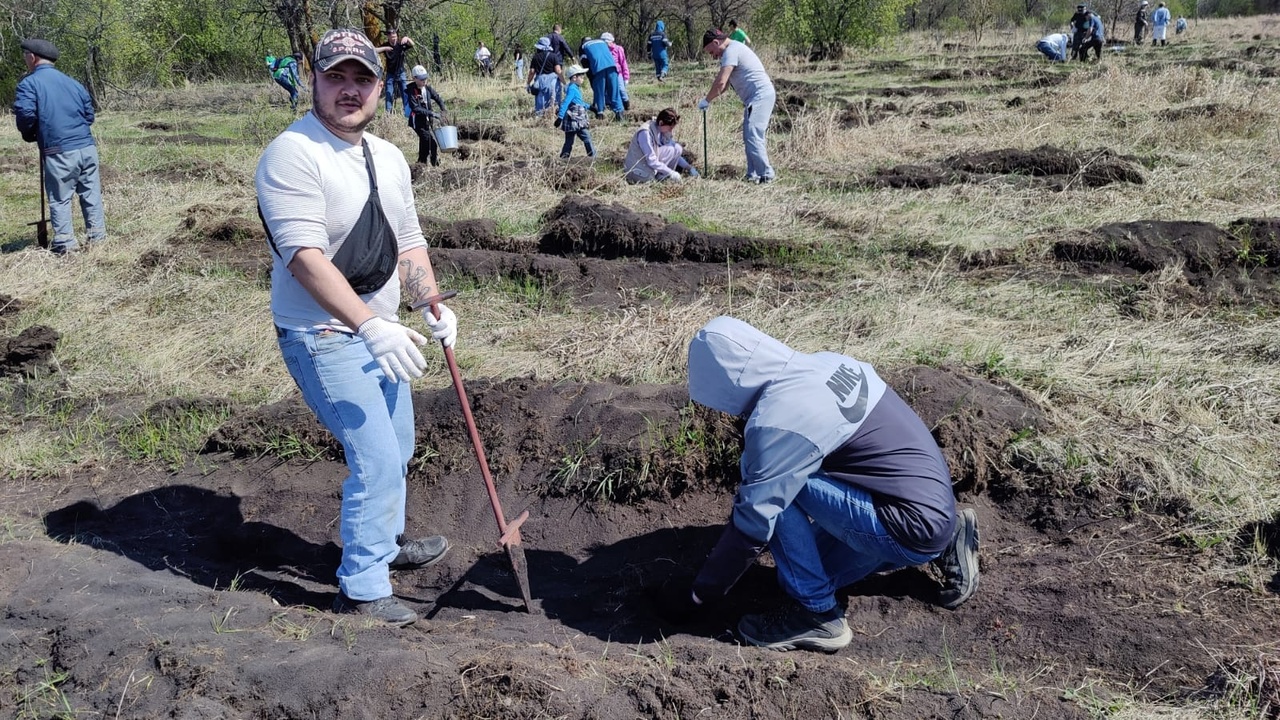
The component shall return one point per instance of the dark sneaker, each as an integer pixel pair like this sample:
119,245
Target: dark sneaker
795,628
415,554
959,563
765,180
388,609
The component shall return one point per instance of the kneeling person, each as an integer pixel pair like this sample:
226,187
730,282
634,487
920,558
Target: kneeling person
840,479
654,154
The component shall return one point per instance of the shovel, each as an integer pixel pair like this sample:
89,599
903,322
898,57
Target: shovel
508,532
42,225
706,169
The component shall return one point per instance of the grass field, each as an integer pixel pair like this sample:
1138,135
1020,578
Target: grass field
1151,397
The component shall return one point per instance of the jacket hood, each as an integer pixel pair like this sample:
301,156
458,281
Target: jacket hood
731,363
661,26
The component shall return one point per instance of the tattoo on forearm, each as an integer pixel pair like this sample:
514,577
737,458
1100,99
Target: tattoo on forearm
415,279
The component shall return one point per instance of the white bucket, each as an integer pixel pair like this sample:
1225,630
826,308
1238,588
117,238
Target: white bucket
447,138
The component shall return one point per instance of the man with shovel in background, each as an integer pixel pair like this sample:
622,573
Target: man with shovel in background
741,70
339,212
840,479
56,113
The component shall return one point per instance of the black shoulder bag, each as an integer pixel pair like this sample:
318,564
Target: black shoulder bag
367,258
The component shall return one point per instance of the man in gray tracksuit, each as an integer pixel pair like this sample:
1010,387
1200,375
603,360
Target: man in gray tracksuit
840,479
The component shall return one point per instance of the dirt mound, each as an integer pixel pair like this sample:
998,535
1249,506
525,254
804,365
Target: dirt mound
972,419
9,307
474,131
28,352
584,226
1238,264
475,234
1053,167
223,236
231,563
198,169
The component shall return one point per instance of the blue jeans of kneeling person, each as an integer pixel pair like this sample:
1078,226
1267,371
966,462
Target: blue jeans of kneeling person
830,537
74,173
373,420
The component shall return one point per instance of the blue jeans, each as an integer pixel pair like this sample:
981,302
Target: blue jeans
397,87
74,172
586,141
546,84
1050,51
605,91
755,121
831,537
289,87
373,420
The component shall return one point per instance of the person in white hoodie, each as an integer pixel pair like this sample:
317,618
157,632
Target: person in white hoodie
654,154
840,479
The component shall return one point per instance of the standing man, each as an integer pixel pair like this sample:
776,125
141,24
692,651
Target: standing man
737,33
1160,25
396,82
339,212
56,112
1096,39
603,71
484,60
741,70
561,46
658,44
840,479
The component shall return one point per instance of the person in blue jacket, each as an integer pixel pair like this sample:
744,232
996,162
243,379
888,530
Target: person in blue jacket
571,118
658,44
840,479
606,91
55,112
1160,25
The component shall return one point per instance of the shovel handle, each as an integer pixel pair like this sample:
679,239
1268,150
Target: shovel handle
513,538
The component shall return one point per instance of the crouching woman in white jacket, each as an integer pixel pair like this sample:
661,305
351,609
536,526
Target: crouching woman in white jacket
654,154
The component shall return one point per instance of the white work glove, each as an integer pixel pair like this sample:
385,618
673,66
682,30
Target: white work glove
703,104
673,176
395,347
446,328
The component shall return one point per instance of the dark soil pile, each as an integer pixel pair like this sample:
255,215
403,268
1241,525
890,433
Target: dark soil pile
29,351
585,226
594,253
203,594
218,235
1051,167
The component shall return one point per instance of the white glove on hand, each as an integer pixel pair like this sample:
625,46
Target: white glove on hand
395,347
446,328
703,104
673,176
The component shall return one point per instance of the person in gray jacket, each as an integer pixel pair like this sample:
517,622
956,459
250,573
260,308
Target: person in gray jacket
742,71
840,479
654,154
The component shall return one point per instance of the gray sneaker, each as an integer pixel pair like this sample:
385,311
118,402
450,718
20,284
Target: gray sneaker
796,628
959,563
388,609
416,554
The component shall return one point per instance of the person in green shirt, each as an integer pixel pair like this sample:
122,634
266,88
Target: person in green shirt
737,33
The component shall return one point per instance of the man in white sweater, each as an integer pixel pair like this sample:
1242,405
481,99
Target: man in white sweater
339,213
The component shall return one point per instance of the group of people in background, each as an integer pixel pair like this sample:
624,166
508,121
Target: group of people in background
1087,32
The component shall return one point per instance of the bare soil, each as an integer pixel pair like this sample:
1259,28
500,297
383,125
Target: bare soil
204,592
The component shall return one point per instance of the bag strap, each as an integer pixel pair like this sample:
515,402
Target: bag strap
368,164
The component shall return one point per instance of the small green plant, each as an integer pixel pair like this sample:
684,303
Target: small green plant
287,446
290,629
222,625
171,439
44,698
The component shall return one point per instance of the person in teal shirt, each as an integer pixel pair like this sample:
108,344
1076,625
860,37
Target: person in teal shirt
285,72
